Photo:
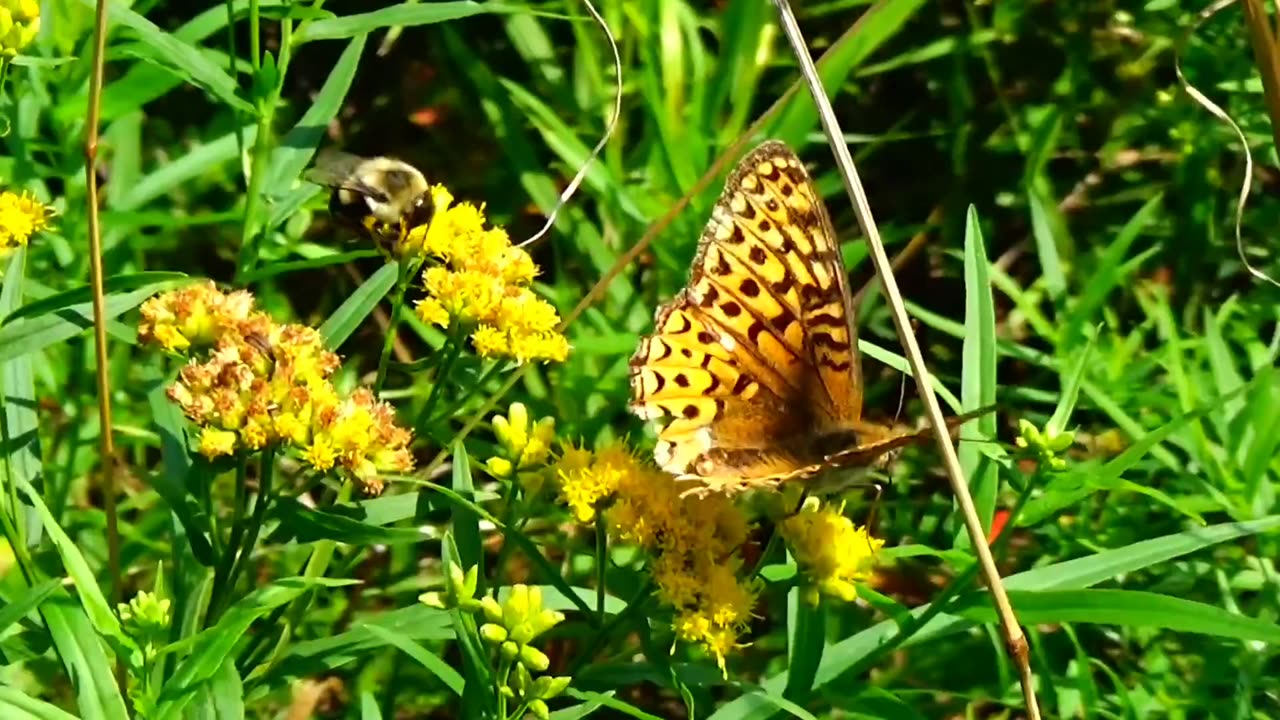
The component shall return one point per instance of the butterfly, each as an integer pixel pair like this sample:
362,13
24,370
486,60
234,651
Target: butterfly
754,364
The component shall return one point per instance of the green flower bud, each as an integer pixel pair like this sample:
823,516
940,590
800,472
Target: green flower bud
509,650
548,687
546,620
471,581
507,692
499,467
1061,441
469,605
457,580
432,599
534,659
494,634
492,610
539,710
522,633
522,680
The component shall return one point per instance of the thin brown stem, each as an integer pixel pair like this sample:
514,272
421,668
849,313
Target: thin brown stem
1014,637
108,479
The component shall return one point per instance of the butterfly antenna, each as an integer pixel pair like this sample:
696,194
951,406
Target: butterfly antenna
572,187
871,517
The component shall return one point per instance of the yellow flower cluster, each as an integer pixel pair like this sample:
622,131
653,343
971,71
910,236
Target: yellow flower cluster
19,25
21,216
693,540
482,283
263,383
833,552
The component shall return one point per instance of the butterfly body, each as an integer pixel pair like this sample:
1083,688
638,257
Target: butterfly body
756,361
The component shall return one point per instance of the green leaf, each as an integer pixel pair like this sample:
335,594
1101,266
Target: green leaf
182,58
1072,574
211,648
356,308
465,522
312,657
401,15
17,705
296,149
806,638
17,608
1109,271
32,334
92,600
978,376
171,481
428,660
340,523
1123,607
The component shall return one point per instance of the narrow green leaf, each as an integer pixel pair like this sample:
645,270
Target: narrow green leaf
466,524
17,705
1124,607
296,149
1109,272
185,59
806,638
32,334
357,307
18,607
340,523
1044,225
401,15
428,660
91,598
978,376
211,648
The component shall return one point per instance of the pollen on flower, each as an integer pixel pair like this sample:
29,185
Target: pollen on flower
257,383
693,541
21,216
480,280
834,553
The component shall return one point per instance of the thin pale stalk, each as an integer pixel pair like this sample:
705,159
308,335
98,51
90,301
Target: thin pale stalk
602,564
106,437
1014,637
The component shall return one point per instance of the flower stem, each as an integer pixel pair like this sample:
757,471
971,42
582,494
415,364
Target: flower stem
397,307
266,472
316,567
602,562
222,574
454,343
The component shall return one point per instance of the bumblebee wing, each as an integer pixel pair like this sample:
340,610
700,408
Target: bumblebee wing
337,170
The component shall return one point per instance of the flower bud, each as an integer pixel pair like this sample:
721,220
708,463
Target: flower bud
522,633
539,710
548,687
509,650
493,634
534,659
432,599
492,610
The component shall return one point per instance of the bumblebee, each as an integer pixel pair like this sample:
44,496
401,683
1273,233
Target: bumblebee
380,198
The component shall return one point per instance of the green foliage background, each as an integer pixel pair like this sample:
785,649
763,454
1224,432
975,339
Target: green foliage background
1045,145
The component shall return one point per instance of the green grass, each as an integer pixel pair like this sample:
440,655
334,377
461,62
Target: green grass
1080,272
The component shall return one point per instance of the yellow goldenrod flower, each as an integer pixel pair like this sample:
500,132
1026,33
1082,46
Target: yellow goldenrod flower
833,552
19,25
482,283
21,216
263,383
693,540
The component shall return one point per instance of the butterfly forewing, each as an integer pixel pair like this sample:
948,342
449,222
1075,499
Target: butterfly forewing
756,356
